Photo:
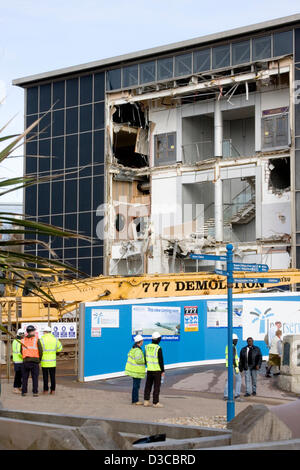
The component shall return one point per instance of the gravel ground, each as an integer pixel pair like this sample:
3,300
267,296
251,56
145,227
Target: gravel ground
203,421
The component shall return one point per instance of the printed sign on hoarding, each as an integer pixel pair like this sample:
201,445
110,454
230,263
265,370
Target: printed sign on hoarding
191,320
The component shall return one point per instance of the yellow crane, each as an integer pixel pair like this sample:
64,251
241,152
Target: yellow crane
17,307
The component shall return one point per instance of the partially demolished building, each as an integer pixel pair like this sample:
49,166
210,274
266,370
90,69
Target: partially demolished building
172,151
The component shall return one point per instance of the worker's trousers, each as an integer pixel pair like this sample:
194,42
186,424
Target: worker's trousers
18,375
238,384
153,378
135,389
49,371
33,369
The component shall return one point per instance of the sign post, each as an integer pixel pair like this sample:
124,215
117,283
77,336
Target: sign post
230,401
231,267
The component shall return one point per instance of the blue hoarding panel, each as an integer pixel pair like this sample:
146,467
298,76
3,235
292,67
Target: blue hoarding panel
189,337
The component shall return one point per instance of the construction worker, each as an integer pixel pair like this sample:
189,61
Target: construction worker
236,370
135,367
155,370
50,346
31,352
18,361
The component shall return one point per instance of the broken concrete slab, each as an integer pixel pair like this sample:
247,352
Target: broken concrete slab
58,439
100,435
258,424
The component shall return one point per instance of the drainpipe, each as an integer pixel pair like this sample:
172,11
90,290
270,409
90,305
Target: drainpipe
218,152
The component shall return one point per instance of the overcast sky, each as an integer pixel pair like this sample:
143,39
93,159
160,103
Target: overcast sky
39,36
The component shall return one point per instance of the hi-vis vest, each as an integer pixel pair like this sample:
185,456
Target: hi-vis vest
151,351
135,366
51,346
16,352
236,359
31,347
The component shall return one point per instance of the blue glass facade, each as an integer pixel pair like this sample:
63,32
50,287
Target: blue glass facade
68,147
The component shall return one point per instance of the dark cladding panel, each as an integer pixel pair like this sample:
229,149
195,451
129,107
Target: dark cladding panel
72,92
85,118
32,100
58,97
30,201
297,45
45,97
86,89
99,86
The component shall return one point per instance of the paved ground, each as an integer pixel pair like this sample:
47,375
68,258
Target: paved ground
188,395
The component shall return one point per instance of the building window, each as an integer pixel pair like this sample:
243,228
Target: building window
113,79
165,149
261,48
165,68
202,60
147,72
240,52
221,57
130,76
274,130
183,65
283,43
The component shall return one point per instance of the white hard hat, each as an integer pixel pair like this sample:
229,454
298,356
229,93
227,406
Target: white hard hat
47,328
234,336
20,332
156,335
138,338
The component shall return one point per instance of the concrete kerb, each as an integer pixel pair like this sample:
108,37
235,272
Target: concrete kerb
37,427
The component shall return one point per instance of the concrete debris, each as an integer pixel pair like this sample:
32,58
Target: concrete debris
258,424
92,435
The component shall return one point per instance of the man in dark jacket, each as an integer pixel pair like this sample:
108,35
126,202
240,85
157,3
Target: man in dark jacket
250,362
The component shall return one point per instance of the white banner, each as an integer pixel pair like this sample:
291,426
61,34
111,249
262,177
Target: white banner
105,318
259,317
217,315
61,330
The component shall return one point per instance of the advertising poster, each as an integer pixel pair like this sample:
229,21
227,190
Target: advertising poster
217,314
146,319
259,317
191,320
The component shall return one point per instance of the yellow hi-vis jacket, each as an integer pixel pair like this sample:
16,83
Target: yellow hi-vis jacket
151,352
16,352
135,366
236,359
51,346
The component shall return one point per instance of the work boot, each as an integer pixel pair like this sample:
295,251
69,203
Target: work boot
146,403
158,405
137,403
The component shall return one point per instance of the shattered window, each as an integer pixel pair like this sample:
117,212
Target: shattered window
183,65
275,131
283,43
202,60
147,72
130,75
165,68
113,79
165,149
261,48
240,52
221,57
